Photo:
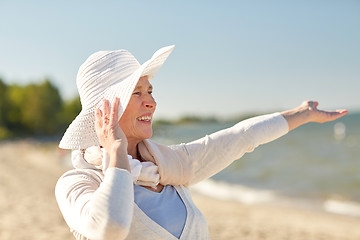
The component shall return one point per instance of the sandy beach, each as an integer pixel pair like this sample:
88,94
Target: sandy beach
28,210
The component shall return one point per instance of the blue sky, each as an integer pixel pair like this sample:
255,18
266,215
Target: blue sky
231,57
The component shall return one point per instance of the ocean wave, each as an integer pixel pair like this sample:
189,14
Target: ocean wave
348,208
234,192
226,191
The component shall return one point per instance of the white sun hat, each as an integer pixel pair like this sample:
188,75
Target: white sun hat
106,75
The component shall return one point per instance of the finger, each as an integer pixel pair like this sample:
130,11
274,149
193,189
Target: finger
341,113
336,114
106,107
114,111
313,104
98,118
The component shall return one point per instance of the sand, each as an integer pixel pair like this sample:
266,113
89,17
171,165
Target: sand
28,210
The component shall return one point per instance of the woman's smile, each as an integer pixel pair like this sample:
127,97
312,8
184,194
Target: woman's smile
147,118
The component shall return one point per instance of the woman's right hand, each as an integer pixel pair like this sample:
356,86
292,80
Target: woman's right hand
110,135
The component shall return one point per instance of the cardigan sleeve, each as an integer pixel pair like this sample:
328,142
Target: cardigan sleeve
96,208
214,152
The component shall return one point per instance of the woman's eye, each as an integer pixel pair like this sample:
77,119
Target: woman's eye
136,93
150,92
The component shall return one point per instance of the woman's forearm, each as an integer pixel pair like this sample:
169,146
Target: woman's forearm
94,207
216,151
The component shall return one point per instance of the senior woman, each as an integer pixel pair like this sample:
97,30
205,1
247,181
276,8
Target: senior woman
125,186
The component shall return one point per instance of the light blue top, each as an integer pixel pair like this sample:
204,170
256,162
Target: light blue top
165,208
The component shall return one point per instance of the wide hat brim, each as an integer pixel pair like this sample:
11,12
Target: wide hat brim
81,132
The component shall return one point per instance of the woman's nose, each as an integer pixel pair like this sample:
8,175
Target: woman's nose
150,102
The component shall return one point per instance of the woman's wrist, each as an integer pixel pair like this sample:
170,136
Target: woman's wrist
296,117
118,156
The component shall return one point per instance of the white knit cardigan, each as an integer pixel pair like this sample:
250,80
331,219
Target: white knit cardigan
98,206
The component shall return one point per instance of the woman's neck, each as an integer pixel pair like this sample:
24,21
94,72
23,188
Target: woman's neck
133,150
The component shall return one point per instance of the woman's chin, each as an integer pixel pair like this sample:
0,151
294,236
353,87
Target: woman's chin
147,134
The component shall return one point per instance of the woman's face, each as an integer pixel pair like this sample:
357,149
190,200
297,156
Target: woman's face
137,119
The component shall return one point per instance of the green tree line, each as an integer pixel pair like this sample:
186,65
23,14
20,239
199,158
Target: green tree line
34,110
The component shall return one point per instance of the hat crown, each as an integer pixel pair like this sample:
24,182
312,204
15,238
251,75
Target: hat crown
100,71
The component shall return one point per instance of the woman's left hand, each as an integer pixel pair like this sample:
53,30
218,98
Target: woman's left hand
308,112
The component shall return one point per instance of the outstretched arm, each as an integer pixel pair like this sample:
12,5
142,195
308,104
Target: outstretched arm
308,112
216,151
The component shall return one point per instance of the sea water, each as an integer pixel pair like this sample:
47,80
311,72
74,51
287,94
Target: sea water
316,166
